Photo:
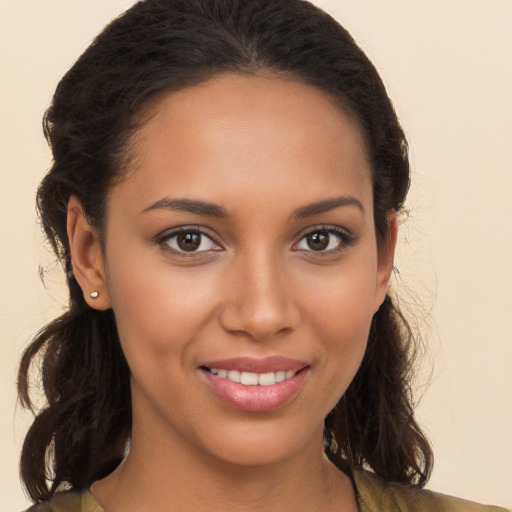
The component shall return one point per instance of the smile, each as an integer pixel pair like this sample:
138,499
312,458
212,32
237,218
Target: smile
253,379
256,385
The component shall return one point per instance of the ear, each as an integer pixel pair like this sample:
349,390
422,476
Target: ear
87,256
385,259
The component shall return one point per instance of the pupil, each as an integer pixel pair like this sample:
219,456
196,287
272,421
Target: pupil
189,241
318,241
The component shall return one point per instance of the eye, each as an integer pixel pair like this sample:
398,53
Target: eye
324,240
188,241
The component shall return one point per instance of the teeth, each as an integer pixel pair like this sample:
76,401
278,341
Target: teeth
249,379
254,379
234,375
267,379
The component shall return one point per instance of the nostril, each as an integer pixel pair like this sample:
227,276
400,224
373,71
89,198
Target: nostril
256,323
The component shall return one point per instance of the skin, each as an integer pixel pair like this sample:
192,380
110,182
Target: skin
261,149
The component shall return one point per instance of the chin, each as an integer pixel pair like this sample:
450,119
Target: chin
262,443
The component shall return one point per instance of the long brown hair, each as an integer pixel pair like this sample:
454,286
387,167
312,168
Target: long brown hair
81,433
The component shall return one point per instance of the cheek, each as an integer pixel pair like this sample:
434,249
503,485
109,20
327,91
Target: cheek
342,298
159,308
340,314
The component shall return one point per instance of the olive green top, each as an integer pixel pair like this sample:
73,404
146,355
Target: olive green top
374,495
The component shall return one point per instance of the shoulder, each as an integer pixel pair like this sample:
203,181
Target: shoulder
69,501
376,495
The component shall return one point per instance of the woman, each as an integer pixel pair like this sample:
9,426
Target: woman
224,197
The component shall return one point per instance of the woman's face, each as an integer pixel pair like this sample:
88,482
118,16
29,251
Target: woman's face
241,246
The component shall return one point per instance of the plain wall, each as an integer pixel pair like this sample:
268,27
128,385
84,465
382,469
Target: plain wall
448,68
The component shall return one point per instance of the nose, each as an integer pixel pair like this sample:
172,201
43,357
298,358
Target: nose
258,301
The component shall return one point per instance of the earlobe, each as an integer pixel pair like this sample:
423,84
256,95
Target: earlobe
386,255
87,256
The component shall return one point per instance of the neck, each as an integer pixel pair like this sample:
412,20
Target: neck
162,480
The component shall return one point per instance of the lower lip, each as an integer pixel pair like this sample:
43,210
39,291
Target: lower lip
256,398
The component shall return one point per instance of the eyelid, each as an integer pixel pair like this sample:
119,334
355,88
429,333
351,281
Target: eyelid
168,234
346,238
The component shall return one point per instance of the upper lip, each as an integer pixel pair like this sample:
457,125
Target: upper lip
257,365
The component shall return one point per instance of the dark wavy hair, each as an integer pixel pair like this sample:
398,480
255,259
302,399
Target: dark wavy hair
80,434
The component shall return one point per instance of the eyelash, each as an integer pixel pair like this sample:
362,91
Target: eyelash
345,239
164,239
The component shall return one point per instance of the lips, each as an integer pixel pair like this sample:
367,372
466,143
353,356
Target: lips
255,385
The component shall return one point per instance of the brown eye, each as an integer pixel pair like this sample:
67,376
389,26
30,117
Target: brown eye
189,241
318,241
325,240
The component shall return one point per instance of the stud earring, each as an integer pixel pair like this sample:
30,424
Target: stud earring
95,295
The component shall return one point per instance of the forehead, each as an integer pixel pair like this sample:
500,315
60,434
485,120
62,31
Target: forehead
248,134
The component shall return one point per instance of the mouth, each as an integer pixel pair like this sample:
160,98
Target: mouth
256,385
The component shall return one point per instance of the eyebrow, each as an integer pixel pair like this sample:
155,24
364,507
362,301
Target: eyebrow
189,206
213,210
327,205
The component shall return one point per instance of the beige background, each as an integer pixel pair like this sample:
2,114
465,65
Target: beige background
448,68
